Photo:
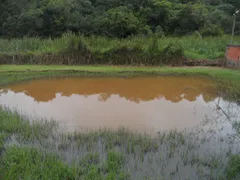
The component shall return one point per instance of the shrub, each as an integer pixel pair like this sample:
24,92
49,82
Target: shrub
211,30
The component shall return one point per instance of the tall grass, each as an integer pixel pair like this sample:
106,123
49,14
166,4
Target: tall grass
194,47
32,45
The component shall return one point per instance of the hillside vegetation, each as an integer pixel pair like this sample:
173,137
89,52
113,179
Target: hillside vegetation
116,18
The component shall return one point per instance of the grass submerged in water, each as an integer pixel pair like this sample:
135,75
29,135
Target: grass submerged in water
39,150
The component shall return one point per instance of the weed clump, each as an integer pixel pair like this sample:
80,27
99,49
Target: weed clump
171,54
33,164
233,168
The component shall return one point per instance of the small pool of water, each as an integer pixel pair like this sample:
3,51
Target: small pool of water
146,104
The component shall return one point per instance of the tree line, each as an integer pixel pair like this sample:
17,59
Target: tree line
117,18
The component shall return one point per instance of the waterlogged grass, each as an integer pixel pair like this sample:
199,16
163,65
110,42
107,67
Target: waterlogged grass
2,139
33,151
29,163
233,169
194,47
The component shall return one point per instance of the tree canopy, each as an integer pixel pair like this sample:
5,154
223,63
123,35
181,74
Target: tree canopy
116,18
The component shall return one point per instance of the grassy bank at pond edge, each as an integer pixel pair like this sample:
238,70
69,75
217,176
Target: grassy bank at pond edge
227,80
38,150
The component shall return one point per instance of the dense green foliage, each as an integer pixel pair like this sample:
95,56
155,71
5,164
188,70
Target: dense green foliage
116,18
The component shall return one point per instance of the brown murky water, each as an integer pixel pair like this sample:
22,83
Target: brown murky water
142,103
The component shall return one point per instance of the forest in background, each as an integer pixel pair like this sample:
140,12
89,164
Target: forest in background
117,18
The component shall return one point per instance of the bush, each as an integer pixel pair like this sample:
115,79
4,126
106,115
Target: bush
173,50
173,54
211,30
153,48
75,44
159,31
120,56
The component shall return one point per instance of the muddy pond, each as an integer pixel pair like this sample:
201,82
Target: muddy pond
148,104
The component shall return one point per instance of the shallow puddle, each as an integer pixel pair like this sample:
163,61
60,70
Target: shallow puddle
142,103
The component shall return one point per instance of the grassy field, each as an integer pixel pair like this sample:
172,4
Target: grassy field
101,50
40,149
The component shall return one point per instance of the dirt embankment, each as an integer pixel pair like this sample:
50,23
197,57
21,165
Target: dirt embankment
205,62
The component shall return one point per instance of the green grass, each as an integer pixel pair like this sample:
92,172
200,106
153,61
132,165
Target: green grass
207,71
29,163
2,140
233,169
194,47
